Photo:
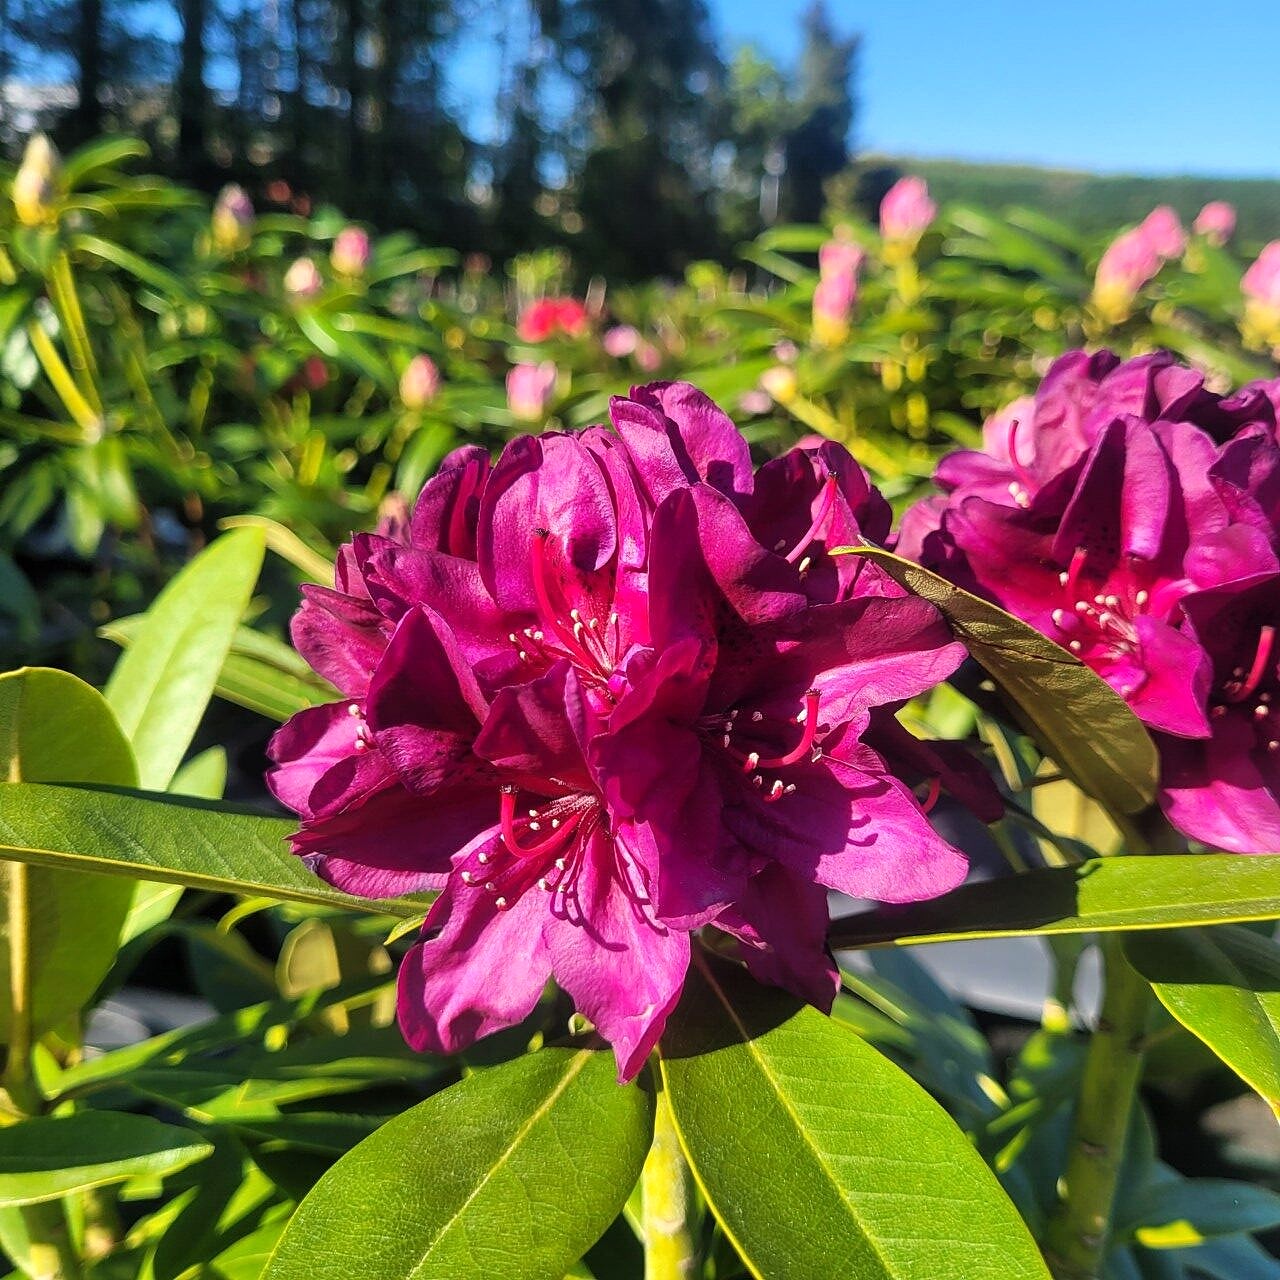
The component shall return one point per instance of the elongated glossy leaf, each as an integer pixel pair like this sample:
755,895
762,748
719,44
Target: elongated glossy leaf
1159,892
1184,1212
49,1156
1223,985
820,1157
174,839
1078,719
54,727
259,672
162,683
515,1171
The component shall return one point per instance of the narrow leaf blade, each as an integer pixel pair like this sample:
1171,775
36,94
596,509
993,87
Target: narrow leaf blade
1223,985
174,839
52,1156
164,680
1137,892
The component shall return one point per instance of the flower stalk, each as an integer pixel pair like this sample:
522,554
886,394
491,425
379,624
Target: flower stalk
667,1193
51,1255
1077,1238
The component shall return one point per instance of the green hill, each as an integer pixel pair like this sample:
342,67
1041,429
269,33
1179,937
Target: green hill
1095,202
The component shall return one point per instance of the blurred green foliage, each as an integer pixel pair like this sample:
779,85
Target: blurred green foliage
161,370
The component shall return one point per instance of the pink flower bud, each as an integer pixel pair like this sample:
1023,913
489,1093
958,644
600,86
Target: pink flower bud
839,258
1216,222
1164,232
529,390
419,383
648,357
1261,282
232,219
833,301
906,211
350,253
619,341
303,279
1130,261
780,383
1261,289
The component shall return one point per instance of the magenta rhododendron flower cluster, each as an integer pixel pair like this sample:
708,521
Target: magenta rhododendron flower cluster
609,690
1134,517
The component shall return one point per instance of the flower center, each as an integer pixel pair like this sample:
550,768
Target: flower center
546,845
732,729
565,633
1101,624
1258,684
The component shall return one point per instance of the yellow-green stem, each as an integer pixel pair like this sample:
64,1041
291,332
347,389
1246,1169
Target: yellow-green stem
89,421
667,1193
66,301
52,1256
1077,1237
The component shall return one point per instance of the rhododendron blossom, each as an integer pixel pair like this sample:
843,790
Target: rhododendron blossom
1134,517
549,317
606,691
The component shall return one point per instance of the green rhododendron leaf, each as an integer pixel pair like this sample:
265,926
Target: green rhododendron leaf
515,1171
819,1156
1223,985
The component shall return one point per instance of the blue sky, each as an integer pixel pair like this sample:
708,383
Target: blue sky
1122,86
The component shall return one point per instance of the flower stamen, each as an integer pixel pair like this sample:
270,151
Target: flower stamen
824,510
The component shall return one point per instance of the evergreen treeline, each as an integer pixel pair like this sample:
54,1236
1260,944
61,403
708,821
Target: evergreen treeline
615,127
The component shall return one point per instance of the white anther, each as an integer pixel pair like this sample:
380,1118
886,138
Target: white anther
1063,579
489,886
753,759
559,864
482,858
467,877
535,826
353,709
500,903
757,716
1075,646
803,566
1058,615
1141,598
778,788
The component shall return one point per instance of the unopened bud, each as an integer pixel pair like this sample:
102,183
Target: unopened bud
36,183
419,383
350,254
781,383
303,279
232,219
529,390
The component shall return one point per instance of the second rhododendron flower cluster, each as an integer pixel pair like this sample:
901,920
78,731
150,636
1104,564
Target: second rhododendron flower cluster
1133,516
609,690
